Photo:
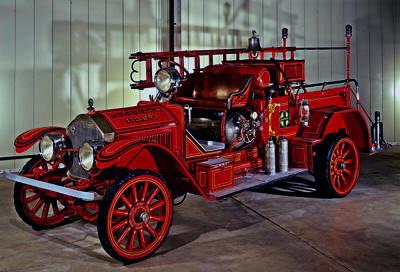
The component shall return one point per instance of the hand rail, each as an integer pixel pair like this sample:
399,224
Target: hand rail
356,93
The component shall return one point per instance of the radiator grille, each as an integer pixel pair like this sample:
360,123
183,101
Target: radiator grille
163,138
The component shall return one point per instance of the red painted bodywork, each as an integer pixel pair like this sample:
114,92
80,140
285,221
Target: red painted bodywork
154,136
207,137
27,139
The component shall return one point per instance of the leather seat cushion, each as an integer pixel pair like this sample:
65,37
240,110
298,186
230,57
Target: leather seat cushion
216,86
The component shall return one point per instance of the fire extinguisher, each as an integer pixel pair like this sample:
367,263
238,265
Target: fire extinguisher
377,131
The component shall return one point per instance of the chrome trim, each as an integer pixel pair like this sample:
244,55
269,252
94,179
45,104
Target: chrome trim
87,196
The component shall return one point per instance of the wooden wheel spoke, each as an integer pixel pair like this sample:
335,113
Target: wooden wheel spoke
157,205
144,190
32,198
346,154
337,181
125,201
131,243
157,218
134,193
349,161
142,238
150,230
120,212
342,148
343,178
45,211
38,205
123,235
56,211
152,196
121,224
347,171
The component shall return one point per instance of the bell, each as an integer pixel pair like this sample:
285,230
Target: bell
254,43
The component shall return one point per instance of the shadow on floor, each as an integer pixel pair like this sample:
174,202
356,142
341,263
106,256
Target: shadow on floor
189,223
295,186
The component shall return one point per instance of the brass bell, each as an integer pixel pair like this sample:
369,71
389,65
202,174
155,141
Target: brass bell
254,43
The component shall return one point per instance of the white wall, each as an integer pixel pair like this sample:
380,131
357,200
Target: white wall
376,40
55,54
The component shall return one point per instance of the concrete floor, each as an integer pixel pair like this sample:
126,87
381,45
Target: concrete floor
284,227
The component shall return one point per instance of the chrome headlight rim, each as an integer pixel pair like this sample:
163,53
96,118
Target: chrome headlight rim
87,154
167,79
51,146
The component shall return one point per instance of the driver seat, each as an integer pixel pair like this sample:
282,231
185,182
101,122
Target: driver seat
215,90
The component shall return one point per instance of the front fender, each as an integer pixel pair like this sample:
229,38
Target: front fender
128,154
27,139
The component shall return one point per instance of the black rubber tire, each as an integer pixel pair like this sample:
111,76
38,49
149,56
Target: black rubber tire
321,167
103,211
28,167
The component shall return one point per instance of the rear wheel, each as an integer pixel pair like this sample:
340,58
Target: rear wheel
34,206
337,167
135,216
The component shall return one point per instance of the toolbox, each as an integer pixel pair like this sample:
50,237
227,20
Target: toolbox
215,174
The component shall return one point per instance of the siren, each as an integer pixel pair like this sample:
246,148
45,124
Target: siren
254,45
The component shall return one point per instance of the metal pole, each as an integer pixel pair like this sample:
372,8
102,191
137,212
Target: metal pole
349,33
171,25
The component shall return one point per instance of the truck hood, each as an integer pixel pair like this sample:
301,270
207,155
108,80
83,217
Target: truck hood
138,118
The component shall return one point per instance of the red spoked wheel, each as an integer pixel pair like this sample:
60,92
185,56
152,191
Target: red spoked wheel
38,208
338,167
135,216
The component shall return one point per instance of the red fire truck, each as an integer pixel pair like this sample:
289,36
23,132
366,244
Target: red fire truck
224,127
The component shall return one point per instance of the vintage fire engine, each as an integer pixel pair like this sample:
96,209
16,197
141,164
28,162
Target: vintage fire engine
249,120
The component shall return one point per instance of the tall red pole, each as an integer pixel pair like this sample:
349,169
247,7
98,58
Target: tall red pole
349,33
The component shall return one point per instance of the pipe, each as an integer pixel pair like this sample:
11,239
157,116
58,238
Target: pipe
171,25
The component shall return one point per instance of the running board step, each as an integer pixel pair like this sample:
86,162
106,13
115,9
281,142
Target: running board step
257,179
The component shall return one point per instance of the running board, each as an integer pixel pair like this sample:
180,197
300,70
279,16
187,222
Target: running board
257,179
87,196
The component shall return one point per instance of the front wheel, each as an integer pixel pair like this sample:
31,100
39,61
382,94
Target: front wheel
37,208
135,216
337,167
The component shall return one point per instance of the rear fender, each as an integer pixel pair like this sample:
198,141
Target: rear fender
327,122
351,123
27,139
131,155
324,124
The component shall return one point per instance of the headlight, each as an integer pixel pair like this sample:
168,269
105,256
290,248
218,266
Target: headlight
51,145
87,154
166,79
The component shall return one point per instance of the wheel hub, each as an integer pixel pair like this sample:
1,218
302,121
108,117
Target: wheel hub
144,217
138,215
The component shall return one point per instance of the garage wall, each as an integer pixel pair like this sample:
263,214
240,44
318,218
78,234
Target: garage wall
55,54
376,40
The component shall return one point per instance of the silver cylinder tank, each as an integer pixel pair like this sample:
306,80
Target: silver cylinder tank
270,157
283,155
